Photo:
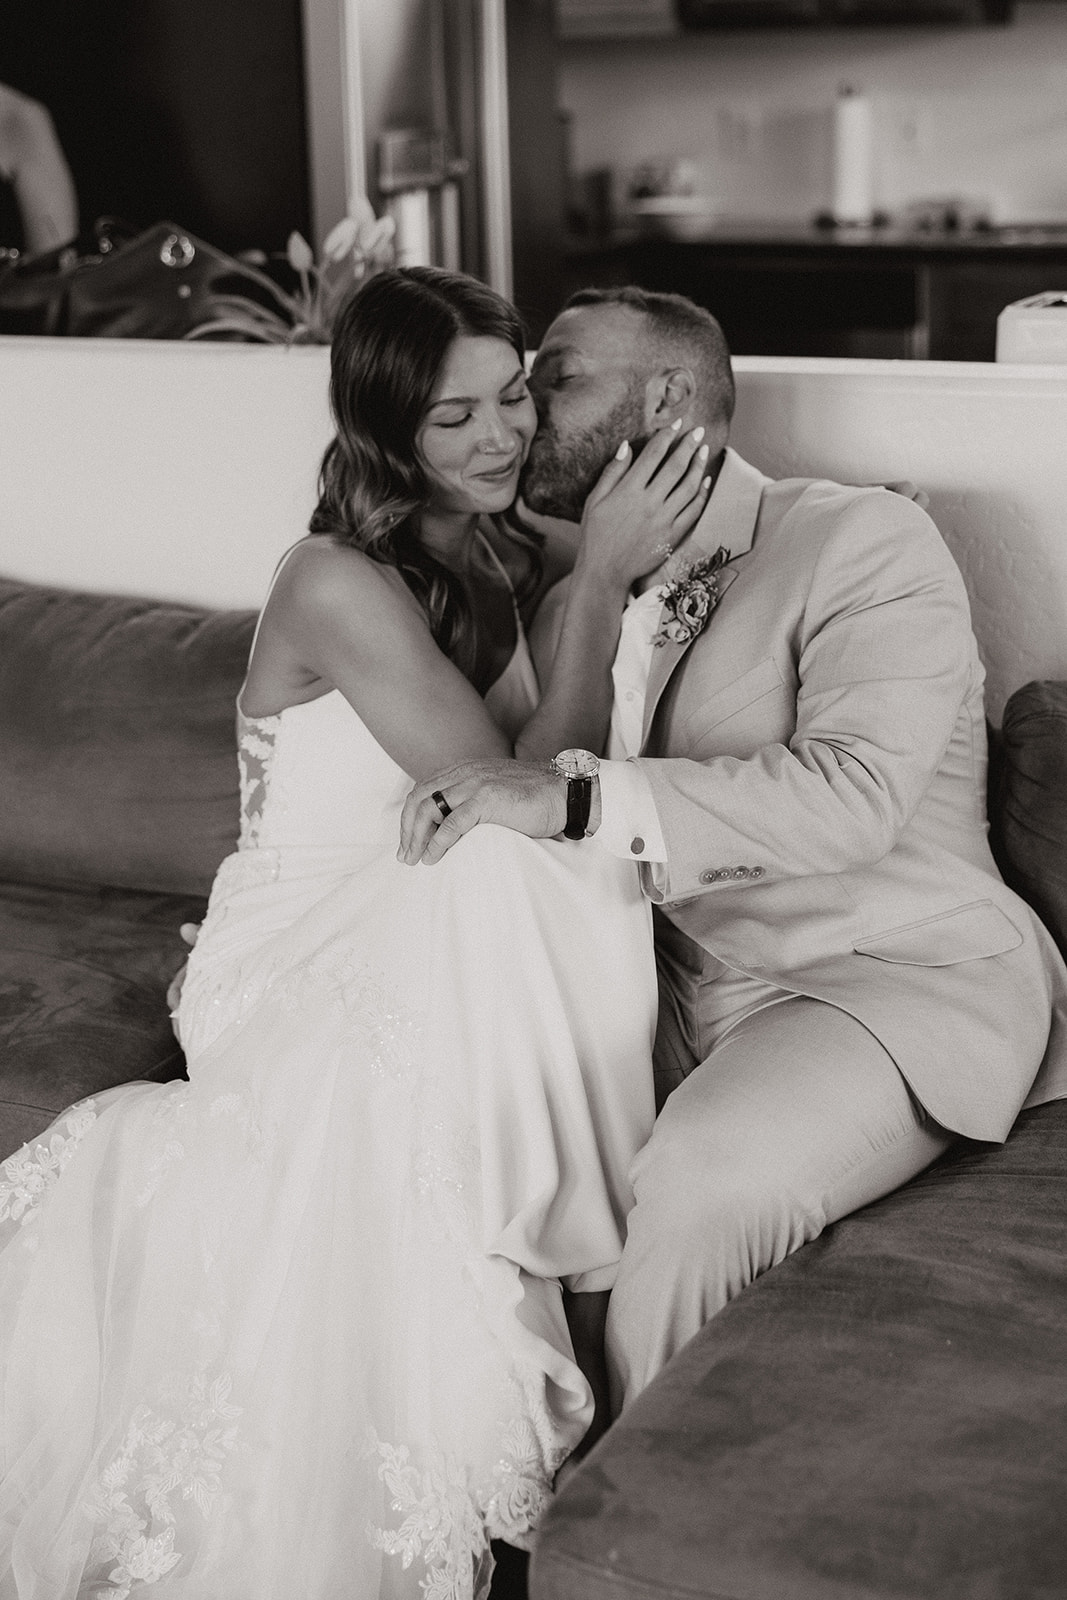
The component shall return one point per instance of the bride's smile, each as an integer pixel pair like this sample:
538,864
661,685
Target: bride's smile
477,430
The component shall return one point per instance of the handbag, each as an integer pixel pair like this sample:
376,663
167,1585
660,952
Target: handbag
117,283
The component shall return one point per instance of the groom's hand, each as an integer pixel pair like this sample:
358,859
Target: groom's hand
524,795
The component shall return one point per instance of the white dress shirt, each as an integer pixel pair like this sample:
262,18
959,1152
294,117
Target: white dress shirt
629,826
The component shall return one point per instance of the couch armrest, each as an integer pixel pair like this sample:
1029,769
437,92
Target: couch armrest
1028,801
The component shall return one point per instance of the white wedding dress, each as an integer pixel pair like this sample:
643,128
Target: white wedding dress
293,1330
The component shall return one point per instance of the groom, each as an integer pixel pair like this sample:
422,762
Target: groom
797,763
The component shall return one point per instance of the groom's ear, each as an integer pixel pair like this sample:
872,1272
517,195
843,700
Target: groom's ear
670,394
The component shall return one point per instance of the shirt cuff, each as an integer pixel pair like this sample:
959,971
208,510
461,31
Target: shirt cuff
629,825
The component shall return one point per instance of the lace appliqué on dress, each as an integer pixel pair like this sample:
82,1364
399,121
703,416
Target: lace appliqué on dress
448,1526
441,1525
445,1163
338,980
521,1489
256,740
32,1171
178,1450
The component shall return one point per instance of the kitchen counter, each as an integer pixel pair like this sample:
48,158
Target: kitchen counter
795,288
755,234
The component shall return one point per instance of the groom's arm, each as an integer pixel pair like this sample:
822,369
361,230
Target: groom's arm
885,661
881,682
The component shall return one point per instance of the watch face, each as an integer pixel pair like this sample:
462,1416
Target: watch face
576,764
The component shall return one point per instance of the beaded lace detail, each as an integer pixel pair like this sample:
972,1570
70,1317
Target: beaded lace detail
176,1445
257,738
174,1450
31,1172
445,1525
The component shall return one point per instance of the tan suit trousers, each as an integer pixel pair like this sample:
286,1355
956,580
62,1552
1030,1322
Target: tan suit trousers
780,1114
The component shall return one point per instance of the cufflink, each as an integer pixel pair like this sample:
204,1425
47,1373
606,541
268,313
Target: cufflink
637,844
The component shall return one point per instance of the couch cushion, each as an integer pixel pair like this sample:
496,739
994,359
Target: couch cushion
884,1414
117,728
1030,825
83,979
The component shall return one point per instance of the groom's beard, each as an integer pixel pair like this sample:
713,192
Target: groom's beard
560,472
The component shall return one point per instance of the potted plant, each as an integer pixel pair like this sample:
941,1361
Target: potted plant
359,246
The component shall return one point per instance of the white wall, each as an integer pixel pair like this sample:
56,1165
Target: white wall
157,467
986,442
184,470
959,111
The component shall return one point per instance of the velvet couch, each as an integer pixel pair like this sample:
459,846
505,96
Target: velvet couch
118,799
885,1414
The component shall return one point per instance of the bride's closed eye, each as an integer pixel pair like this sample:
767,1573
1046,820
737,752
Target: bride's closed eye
519,398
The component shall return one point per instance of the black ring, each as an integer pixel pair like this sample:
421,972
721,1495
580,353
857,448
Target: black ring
441,803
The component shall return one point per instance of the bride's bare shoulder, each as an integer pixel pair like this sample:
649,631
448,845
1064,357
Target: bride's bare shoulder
324,580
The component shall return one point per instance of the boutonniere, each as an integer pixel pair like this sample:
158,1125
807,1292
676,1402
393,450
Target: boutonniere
690,598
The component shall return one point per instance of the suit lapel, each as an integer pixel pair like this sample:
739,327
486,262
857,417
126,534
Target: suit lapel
665,657
729,519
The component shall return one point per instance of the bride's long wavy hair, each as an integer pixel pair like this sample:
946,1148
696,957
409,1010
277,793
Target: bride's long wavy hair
388,347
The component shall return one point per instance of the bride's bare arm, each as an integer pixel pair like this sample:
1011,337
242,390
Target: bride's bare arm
337,619
544,630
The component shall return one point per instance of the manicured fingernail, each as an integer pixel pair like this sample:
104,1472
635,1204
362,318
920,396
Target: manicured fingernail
698,434
706,485
702,453
623,451
676,424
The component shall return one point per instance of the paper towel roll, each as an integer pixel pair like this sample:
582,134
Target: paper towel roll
853,149
413,241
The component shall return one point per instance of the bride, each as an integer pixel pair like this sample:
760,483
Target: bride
294,1329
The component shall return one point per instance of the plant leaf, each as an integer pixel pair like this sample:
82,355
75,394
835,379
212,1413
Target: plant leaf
255,334
301,256
341,239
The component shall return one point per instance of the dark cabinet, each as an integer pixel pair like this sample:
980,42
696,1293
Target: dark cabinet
792,299
917,12
748,13
703,14
793,303
963,300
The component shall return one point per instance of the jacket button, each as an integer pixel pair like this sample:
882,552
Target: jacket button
740,872
637,844
755,872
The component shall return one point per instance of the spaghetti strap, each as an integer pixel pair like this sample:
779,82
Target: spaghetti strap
255,633
274,578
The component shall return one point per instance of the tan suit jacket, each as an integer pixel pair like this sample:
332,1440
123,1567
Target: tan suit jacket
817,758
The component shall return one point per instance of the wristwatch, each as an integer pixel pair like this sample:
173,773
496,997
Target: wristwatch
579,768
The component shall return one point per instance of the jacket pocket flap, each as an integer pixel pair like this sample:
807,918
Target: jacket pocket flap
734,697
974,931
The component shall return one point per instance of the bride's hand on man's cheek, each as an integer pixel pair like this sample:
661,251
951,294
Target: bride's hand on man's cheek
525,796
642,507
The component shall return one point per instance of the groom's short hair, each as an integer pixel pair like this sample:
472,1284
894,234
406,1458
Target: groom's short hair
681,329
